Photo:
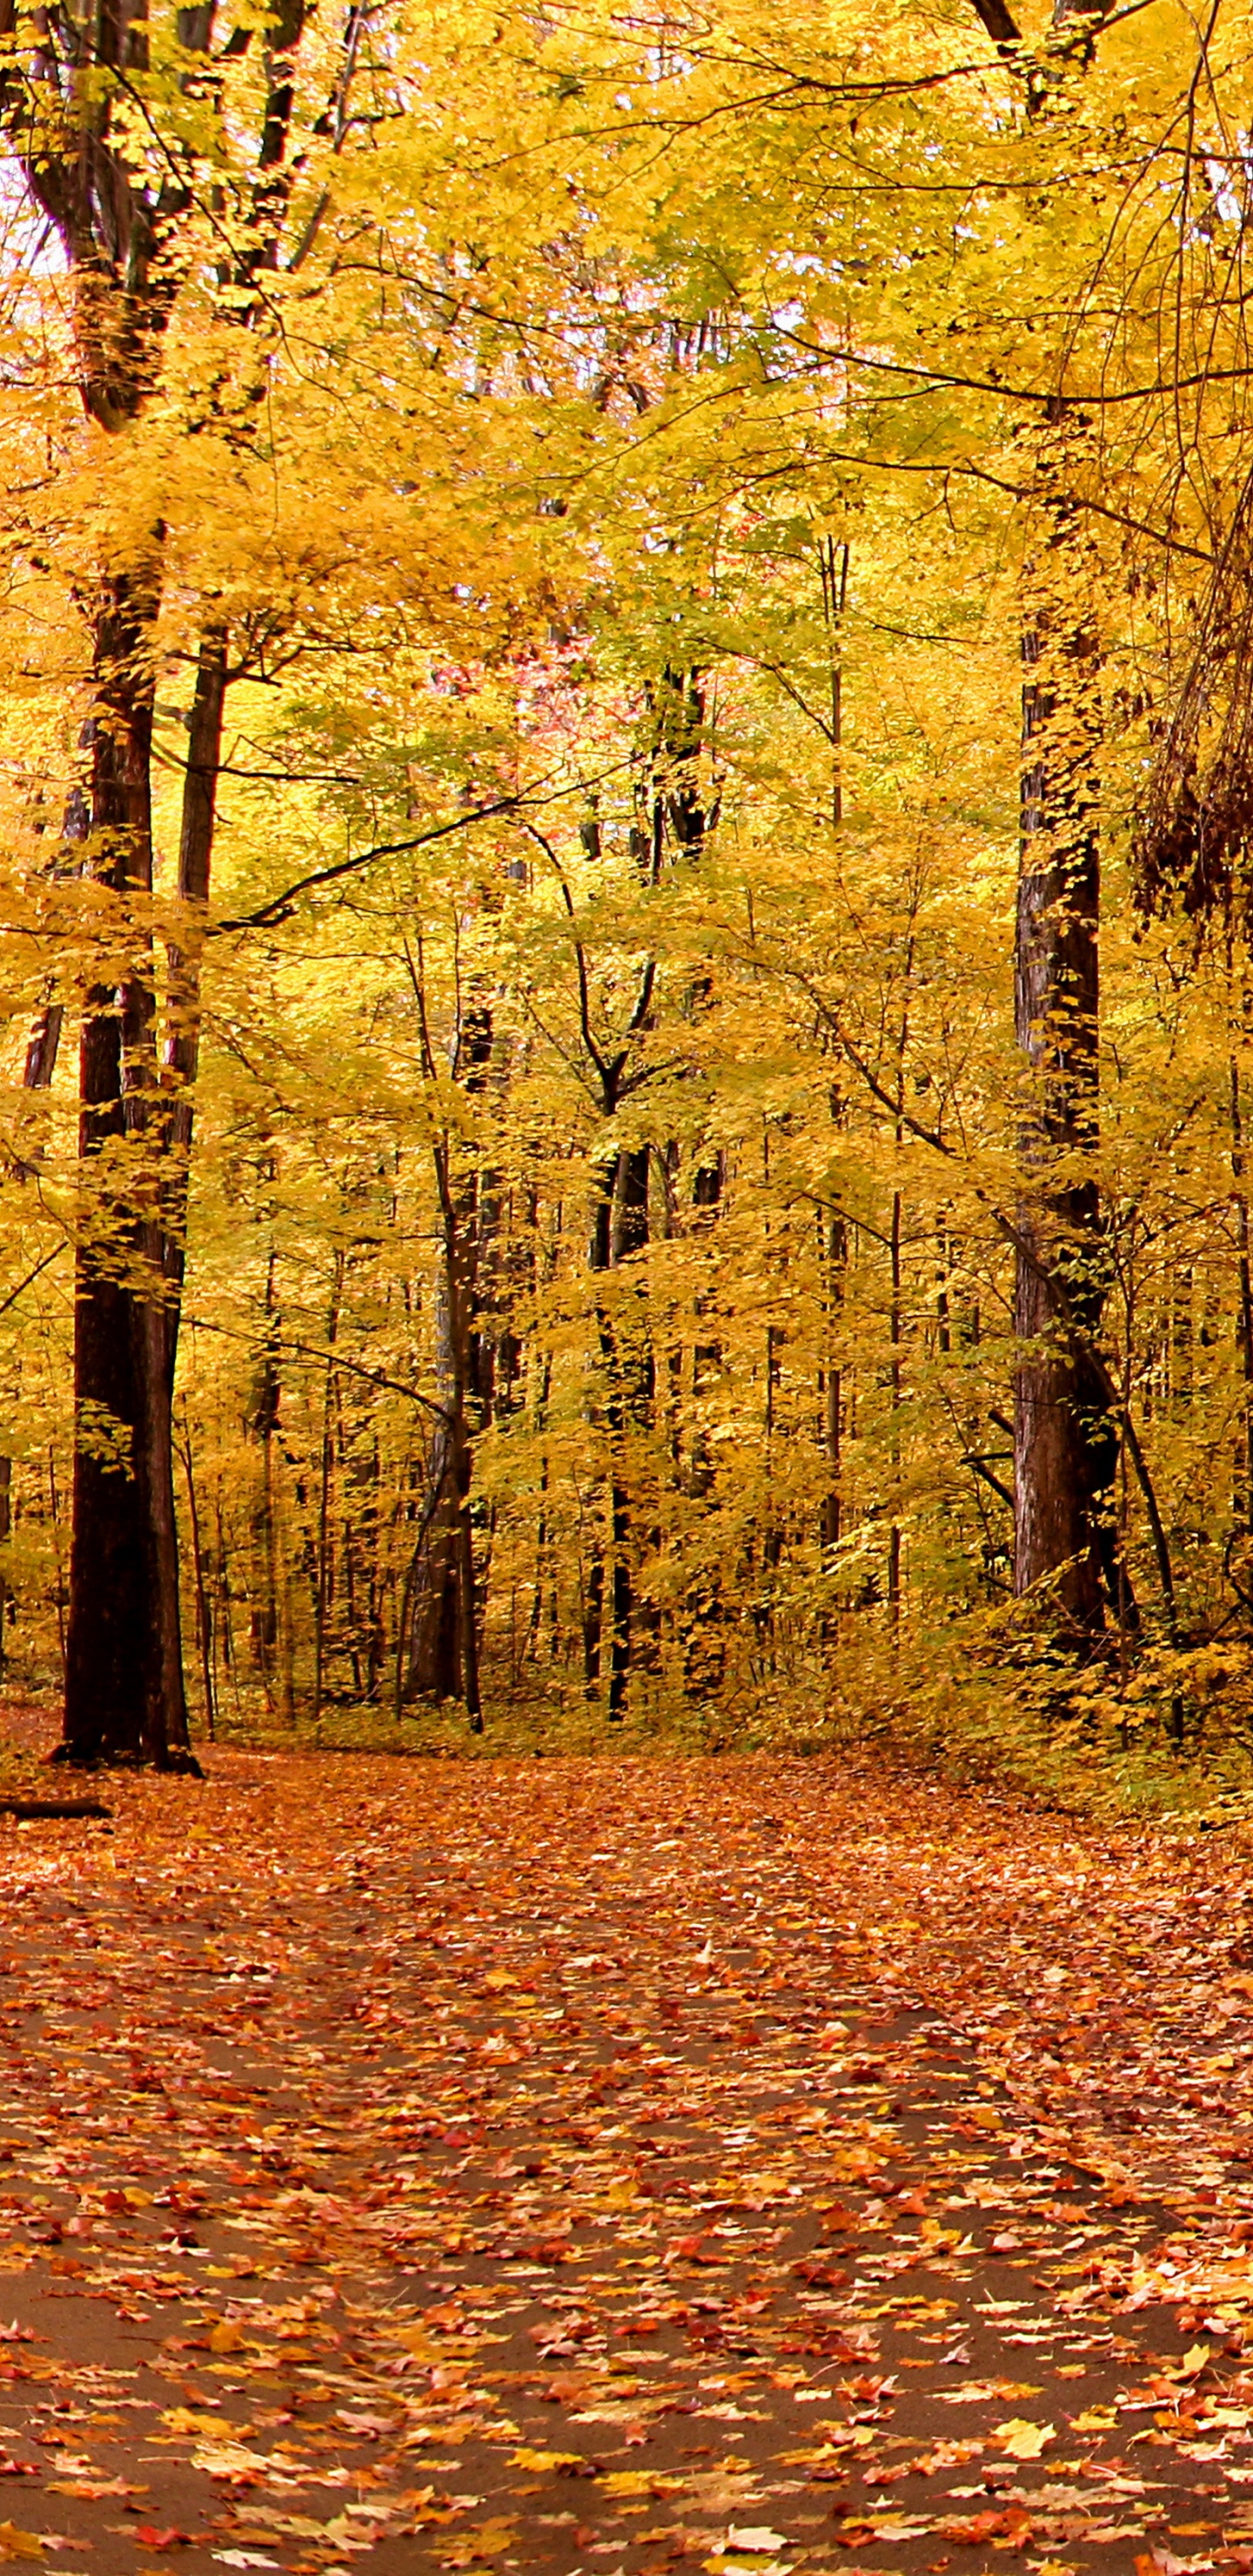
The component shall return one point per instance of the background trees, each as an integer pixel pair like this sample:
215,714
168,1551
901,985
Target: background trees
518,545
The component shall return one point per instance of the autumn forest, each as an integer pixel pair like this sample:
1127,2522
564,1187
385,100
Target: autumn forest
626,1288
627,772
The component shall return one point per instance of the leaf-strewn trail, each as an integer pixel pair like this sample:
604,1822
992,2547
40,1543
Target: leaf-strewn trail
619,2165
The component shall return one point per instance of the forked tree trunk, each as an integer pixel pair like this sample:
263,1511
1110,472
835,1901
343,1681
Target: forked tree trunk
671,819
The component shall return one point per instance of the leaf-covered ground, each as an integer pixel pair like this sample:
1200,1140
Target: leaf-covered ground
607,2166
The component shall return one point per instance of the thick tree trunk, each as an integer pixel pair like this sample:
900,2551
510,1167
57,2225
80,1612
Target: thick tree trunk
439,1631
1065,1435
124,1697
1065,1441
118,229
432,1624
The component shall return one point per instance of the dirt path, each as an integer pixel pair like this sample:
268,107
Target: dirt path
760,2165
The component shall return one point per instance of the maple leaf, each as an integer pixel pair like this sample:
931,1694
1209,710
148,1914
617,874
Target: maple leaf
1021,2439
638,2482
490,2540
95,2488
226,2337
543,2460
974,2531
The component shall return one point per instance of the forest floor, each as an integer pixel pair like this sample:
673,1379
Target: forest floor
755,2164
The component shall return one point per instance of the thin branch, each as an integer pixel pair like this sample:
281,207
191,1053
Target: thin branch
336,1360
31,1277
281,906
580,958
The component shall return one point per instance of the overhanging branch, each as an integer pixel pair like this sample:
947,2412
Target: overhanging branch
280,907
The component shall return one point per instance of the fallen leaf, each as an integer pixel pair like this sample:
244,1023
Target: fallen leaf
638,2482
540,2461
490,2540
95,2488
1022,2440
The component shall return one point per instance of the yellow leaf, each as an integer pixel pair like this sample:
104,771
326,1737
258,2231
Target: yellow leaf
1022,2440
489,2541
19,2544
187,2419
546,2459
633,2482
433,2349
226,2337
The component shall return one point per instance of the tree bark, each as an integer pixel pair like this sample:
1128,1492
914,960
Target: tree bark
437,1649
1065,1439
124,1696
70,85
620,1227
1066,1442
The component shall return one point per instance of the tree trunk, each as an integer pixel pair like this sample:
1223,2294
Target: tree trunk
119,232
324,1572
204,1608
1065,1435
835,1264
1065,1441
1244,1284
264,1622
437,1649
124,1697
619,1228
182,1044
